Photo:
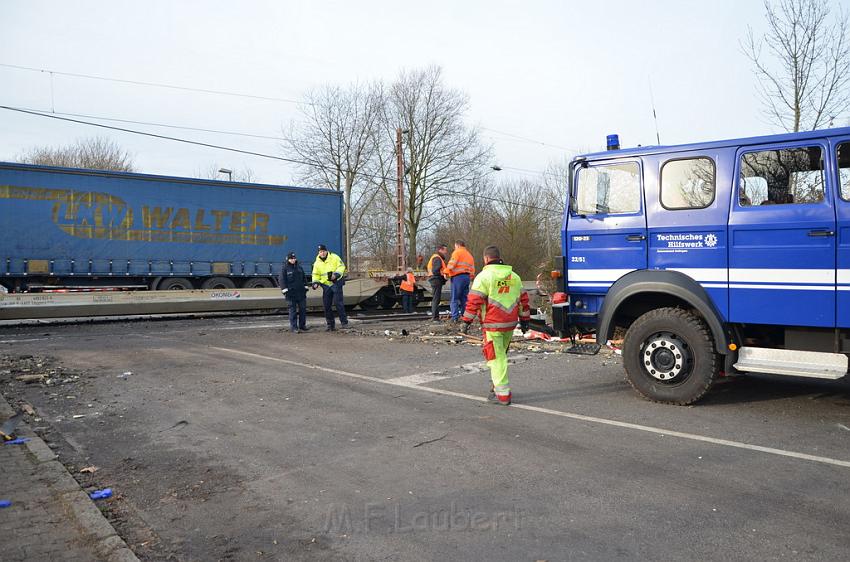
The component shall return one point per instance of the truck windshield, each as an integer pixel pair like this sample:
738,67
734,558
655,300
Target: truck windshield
608,189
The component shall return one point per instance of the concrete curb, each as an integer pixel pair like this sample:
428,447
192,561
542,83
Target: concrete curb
80,509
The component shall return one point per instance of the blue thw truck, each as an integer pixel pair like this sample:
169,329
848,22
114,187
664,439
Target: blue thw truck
79,230
715,258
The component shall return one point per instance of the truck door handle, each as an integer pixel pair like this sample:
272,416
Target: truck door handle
821,233
635,237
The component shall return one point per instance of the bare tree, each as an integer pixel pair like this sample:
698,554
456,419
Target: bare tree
519,216
474,221
373,247
521,226
443,157
336,142
553,196
96,153
802,63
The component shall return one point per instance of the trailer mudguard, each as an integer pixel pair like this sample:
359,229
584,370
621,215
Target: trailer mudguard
662,282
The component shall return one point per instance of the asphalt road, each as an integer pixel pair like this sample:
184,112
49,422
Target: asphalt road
234,440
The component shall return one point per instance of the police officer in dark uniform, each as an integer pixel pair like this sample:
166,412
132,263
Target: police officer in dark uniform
293,285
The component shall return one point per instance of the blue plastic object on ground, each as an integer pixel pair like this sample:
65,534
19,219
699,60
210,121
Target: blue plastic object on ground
101,494
5,503
18,441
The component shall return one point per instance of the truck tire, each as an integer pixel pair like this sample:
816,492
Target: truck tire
218,283
174,284
257,283
669,356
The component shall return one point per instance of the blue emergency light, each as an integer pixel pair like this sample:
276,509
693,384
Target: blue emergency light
613,142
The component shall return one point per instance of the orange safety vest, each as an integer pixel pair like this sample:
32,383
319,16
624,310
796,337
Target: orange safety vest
409,283
442,264
461,262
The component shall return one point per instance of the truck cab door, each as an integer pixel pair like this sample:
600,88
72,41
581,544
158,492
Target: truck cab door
782,245
841,149
606,226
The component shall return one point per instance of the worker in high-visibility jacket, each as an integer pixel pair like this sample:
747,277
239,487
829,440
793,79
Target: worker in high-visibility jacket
329,274
498,297
461,270
408,290
437,271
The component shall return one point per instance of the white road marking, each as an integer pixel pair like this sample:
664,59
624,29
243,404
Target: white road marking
247,326
421,378
591,419
23,340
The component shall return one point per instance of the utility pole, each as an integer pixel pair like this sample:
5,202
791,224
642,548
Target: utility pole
399,243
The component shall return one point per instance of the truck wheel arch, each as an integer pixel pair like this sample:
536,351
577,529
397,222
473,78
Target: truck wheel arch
667,287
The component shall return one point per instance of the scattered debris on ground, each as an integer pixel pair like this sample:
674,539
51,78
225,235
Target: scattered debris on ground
446,332
29,369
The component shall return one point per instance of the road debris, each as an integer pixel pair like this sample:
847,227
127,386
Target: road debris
31,378
101,494
89,470
430,440
18,441
181,424
7,430
5,503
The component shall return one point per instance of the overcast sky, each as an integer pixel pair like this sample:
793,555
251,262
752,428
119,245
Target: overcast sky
562,73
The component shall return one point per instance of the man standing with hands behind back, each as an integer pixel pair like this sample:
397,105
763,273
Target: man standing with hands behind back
437,272
328,271
461,269
293,283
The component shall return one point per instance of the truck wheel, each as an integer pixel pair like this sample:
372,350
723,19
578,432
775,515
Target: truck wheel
669,356
257,283
175,284
218,283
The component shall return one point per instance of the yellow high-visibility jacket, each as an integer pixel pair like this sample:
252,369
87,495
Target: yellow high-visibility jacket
331,264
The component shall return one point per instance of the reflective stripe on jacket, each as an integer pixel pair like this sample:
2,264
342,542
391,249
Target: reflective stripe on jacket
497,294
331,264
409,283
461,262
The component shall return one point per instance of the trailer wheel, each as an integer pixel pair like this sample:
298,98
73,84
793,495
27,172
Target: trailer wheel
385,299
371,303
669,356
218,283
257,283
175,284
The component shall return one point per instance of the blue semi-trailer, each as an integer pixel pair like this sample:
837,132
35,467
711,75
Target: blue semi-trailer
88,229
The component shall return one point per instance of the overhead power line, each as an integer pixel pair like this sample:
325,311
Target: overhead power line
529,140
152,124
248,152
153,84
223,132
238,95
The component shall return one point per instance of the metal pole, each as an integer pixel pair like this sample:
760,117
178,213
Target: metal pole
400,257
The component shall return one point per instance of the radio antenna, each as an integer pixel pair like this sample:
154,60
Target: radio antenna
654,116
